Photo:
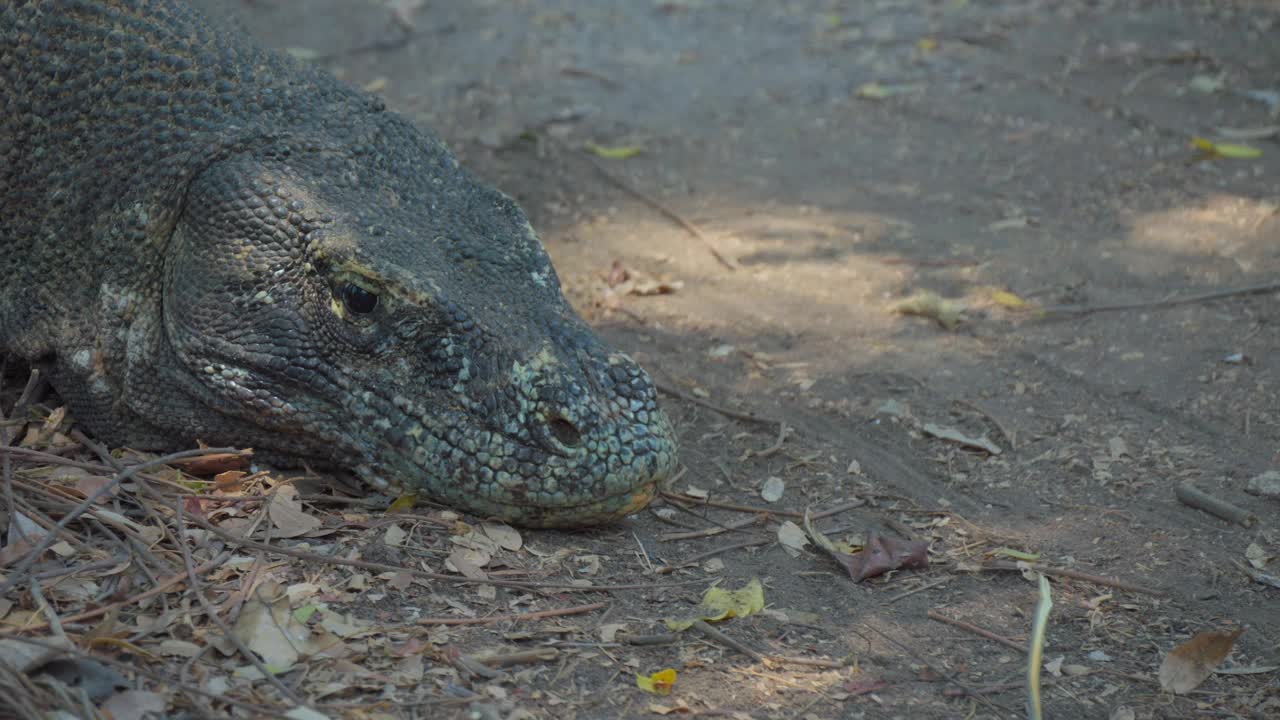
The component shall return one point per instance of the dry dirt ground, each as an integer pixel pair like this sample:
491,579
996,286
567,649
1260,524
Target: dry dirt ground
843,156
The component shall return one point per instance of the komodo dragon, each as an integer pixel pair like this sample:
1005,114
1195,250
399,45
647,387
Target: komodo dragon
205,241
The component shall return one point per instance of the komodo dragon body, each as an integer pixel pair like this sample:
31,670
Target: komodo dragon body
205,241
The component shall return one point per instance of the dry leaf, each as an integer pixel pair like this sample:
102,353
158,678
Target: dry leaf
792,538
1187,665
720,604
621,152
947,313
287,515
1226,150
955,436
772,490
506,537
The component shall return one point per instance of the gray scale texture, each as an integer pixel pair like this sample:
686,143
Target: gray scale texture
184,215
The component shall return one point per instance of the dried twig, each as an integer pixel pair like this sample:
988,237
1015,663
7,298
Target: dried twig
935,615
514,617
842,507
1076,575
663,210
922,588
1069,311
750,417
1188,494
705,628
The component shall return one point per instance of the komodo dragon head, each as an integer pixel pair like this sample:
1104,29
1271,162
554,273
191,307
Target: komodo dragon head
353,293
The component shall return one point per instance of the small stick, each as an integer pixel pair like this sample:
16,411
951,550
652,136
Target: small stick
665,211
657,639
849,505
726,548
1064,311
776,446
734,414
922,588
1076,575
935,615
705,628
1188,494
522,657
737,525
514,617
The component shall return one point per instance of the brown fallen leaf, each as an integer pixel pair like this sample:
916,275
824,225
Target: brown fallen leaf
1187,665
878,556
215,463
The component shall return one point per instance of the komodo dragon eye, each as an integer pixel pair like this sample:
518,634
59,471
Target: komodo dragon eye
358,300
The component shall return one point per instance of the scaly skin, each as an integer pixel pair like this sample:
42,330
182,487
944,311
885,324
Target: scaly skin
203,240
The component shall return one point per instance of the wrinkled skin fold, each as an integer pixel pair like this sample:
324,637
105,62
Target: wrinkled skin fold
206,241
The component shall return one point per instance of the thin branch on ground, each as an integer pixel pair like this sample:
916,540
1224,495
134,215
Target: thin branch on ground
732,414
1076,575
967,627
663,210
514,617
922,588
1070,311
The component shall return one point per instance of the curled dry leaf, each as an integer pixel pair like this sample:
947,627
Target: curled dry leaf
952,435
878,556
792,538
947,313
1187,665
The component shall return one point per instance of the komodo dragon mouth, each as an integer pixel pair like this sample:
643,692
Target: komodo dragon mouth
208,241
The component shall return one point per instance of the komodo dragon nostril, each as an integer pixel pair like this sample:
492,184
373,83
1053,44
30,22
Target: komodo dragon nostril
565,432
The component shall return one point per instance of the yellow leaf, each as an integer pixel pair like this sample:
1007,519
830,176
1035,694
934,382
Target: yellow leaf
1226,150
876,91
1239,152
927,44
621,152
720,604
1187,665
931,305
1016,554
1006,299
658,683
404,503
873,91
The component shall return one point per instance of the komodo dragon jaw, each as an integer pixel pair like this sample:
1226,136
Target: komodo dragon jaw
207,241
